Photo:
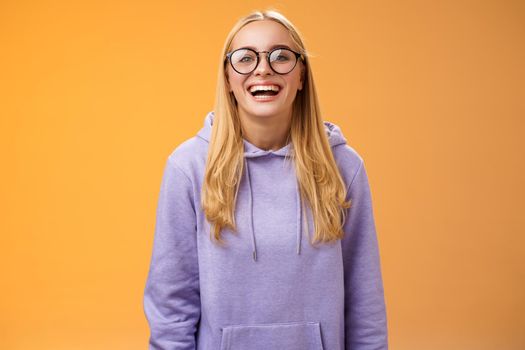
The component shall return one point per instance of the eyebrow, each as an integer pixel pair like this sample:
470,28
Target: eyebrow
271,47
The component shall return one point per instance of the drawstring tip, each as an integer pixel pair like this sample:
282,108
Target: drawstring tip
254,255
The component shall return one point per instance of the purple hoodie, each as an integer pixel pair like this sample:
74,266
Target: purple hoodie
268,287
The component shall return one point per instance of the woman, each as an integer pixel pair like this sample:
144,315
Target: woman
231,267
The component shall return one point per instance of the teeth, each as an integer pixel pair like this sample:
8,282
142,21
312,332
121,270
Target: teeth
264,88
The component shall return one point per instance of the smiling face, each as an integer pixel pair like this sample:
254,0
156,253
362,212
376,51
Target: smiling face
264,36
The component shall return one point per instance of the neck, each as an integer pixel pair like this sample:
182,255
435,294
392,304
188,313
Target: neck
267,133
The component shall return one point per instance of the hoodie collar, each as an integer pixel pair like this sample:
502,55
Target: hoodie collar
335,138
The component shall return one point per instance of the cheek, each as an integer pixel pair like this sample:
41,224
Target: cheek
236,84
294,82
234,80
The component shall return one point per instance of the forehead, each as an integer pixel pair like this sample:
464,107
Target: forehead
262,35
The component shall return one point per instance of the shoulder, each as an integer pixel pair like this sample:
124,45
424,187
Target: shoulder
348,160
189,156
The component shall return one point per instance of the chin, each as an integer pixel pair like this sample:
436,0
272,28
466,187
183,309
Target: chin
265,109
264,112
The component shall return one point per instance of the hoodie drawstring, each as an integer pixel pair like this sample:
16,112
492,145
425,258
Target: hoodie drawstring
299,206
250,204
299,218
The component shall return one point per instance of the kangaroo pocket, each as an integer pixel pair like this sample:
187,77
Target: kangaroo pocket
285,336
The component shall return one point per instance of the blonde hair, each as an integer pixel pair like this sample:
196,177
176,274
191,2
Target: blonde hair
319,180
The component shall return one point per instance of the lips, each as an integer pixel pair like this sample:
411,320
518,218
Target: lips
264,91
273,89
264,84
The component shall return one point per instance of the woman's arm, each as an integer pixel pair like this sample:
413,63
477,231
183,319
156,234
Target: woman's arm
171,295
365,312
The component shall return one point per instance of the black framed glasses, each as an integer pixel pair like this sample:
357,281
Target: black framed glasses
281,60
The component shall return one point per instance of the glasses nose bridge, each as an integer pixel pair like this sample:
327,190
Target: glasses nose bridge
266,52
267,60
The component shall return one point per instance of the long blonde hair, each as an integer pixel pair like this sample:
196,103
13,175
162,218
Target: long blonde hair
319,180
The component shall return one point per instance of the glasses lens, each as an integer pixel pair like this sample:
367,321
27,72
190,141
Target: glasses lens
282,60
243,60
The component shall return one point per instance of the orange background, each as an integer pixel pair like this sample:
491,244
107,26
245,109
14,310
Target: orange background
94,95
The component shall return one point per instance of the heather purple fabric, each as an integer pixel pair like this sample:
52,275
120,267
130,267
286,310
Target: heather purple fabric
268,288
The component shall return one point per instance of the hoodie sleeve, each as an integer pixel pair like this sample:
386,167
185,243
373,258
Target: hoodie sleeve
171,296
365,311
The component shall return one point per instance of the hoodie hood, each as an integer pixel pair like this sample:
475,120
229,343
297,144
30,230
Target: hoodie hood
335,138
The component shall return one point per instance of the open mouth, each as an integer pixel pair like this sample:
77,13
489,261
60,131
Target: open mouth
264,91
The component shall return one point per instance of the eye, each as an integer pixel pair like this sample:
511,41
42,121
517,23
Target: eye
243,56
281,55
246,59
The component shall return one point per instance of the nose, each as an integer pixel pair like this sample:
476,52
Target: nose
263,68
